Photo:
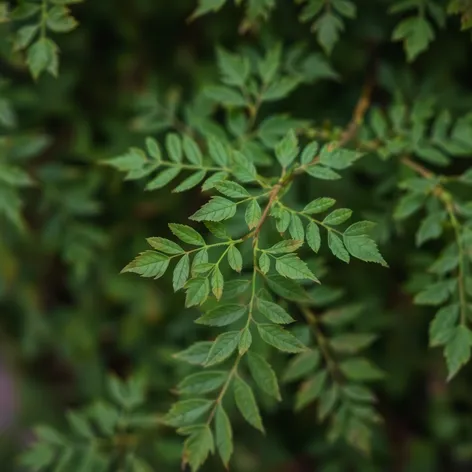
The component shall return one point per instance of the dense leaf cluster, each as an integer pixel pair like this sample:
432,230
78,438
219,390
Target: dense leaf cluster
301,193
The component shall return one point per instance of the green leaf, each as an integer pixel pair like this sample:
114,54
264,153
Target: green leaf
24,36
296,228
274,312
360,369
234,69
430,228
181,273
192,151
197,291
174,147
457,350
328,28
310,390
198,446
319,205
225,95
217,209
201,257
327,402
337,158
351,342
235,260
232,189
224,435
280,338
245,341
187,234
293,267
408,205
207,6
196,354
218,151
264,263
283,221
322,173
190,182
148,264
80,425
284,247
269,66
435,294
345,8
359,393
185,412
313,237
217,283
443,325
337,217
337,247
202,382
360,228
286,288
416,32
253,214
43,56
153,149
309,153
280,88
364,249
263,375
287,149
222,315
301,365
246,403
163,178
59,20
165,245
222,348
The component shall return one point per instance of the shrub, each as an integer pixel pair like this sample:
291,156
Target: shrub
296,176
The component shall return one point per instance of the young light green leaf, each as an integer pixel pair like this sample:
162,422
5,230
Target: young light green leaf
223,346
190,182
153,149
43,56
322,173
443,325
264,263
245,341
198,446
274,312
319,205
234,69
148,264
192,151
174,147
165,245
224,435
202,382
286,246
163,178
296,228
246,403
337,217
364,249
309,153
301,365
337,247
292,267
217,283
270,64
313,237
337,158
253,214
360,228
187,234
235,260
280,338
457,350
217,209
310,390
222,315
287,149
218,151
263,375
185,412
181,272
197,291
232,189
201,257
